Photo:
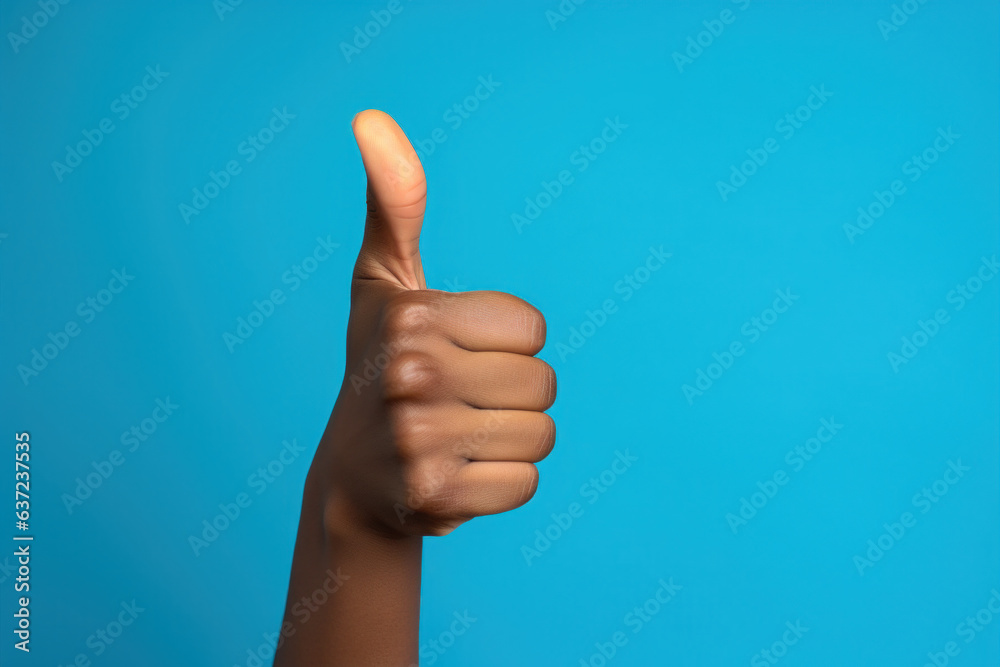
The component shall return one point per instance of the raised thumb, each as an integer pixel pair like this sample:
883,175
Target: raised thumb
397,194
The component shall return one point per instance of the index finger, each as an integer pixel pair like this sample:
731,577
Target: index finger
487,321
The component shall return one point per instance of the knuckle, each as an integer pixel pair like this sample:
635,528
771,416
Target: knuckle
423,483
429,483
410,431
410,375
406,316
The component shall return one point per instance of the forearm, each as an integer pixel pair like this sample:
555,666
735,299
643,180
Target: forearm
354,594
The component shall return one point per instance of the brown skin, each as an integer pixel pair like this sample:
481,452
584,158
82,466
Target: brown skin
449,429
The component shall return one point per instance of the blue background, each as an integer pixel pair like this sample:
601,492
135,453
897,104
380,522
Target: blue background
666,517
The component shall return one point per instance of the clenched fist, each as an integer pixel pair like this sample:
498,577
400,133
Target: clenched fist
440,417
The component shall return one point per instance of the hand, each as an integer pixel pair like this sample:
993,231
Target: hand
441,414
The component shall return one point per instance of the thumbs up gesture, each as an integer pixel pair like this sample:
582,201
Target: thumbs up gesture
451,424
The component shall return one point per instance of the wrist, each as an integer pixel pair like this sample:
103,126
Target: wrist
344,521
358,589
